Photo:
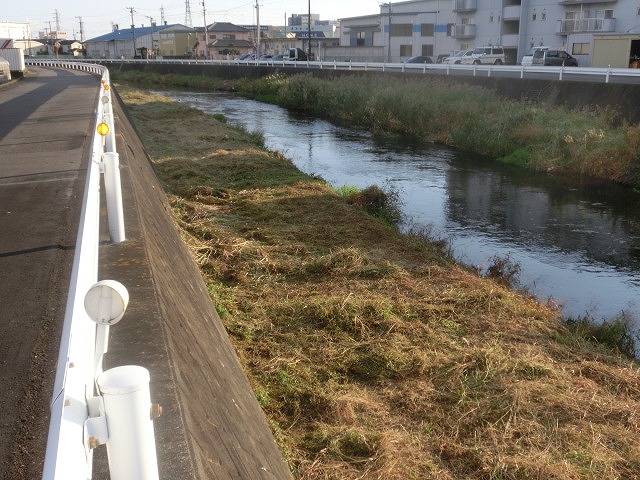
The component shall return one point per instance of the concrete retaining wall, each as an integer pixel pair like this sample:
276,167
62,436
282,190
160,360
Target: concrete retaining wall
622,99
212,426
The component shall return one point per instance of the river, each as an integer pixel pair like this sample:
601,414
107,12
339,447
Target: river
577,244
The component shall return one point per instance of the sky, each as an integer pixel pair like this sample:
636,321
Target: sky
98,17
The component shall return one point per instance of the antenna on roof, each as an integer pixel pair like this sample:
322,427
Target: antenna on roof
187,14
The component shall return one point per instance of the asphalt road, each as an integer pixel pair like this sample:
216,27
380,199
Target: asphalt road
212,425
45,125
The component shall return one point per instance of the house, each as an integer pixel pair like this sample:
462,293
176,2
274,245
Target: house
177,41
71,47
138,42
225,40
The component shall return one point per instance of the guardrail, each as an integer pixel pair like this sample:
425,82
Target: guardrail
91,407
600,75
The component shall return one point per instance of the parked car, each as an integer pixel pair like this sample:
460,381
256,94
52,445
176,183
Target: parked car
456,58
441,57
419,59
528,58
557,58
278,58
265,57
492,55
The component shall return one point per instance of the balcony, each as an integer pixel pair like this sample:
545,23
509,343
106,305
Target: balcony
512,12
465,6
586,25
463,31
583,2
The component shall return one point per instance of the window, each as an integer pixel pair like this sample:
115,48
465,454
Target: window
426,30
401,30
427,50
608,14
228,36
405,50
451,28
533,17
580,49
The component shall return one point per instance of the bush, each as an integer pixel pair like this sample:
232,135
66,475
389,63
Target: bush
379,203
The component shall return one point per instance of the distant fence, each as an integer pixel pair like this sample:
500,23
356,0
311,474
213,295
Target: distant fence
90,407
598,75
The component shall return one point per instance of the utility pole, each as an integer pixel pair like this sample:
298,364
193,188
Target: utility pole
57,14
188,21
81,36
206,31
153,40
257,30
389,36
133,29
309,32
162,16
81,31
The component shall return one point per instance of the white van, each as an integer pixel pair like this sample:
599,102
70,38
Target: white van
528,58
492,55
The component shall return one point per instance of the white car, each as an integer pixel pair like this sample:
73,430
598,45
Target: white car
528,58
457,57
492,55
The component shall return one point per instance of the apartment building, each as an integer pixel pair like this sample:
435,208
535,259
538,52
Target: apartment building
442,27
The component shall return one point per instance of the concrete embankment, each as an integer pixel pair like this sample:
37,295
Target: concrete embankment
621,99
211,426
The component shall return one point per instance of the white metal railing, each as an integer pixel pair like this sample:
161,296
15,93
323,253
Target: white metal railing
90,407
595,75
575,25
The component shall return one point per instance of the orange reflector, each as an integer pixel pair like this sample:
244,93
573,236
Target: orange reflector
106,87
103,129
103,81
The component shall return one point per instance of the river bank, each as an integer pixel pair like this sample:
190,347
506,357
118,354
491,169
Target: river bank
592,142
373,354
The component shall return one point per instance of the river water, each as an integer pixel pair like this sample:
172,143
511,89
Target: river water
577,244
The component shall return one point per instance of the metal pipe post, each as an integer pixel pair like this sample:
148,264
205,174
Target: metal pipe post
131,446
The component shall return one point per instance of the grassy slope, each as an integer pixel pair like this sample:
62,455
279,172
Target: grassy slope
372,354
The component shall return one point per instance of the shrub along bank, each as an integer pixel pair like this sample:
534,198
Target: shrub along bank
591,142
372,354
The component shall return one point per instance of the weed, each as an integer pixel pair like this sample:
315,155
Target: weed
383,204
616,334
504,270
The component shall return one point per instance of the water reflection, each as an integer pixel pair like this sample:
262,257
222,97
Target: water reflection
577,243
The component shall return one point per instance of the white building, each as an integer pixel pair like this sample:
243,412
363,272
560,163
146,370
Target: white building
16,31
441,27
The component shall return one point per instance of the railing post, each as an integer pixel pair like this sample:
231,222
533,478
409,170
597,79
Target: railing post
113,193
127,405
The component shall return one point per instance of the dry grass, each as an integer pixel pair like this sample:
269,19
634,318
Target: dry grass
374,356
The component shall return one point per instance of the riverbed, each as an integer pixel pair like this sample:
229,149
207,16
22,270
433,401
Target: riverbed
577,242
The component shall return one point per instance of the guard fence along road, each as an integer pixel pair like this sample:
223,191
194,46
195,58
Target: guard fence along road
585,74
90,407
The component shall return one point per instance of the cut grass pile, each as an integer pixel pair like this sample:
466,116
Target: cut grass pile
373,355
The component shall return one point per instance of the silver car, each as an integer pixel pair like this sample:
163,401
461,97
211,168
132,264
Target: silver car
457,57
